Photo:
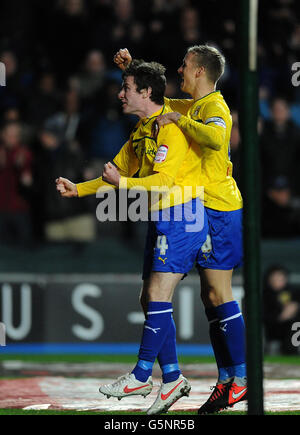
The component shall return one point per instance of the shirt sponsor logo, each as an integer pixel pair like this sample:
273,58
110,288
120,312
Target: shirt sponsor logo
161,154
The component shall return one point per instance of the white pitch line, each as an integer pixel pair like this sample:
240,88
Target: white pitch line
37,407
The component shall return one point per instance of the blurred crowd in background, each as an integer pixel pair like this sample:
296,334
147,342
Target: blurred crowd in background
281,310
60,114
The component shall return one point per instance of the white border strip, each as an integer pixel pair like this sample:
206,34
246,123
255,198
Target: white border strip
231,317
161,312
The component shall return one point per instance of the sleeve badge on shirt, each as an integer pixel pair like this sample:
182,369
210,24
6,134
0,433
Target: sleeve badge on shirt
161,154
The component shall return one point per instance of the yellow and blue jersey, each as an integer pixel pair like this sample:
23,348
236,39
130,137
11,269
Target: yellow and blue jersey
207,123
162,158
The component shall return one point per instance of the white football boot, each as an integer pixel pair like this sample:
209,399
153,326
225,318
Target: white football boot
168,394
127,385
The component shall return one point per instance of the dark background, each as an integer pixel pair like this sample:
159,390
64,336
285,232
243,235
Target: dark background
60,116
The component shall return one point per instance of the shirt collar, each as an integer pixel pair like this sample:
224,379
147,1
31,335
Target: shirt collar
160,111
207,96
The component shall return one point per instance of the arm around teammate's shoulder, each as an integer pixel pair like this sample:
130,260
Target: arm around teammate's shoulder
209,135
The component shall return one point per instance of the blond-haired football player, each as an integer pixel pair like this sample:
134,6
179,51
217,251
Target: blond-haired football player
206,121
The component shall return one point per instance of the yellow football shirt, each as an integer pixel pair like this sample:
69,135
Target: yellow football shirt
163,160
207,123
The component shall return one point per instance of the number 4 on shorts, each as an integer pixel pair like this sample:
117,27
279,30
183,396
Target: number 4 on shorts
162,245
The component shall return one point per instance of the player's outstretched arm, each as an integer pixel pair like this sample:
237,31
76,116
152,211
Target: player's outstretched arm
66,188
122,58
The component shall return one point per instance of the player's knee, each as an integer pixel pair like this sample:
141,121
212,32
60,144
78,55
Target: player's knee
157,294
207,298
212,297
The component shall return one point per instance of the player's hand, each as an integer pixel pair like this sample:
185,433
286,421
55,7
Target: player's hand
122,58
66,188
168,118
111,174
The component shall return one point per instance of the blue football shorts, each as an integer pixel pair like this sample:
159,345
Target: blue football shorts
223,249
174,238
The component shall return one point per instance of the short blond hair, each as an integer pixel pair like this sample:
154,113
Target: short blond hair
211,58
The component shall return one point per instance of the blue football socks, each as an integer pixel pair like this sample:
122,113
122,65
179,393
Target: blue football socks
167,357
218,344
227,332
157,324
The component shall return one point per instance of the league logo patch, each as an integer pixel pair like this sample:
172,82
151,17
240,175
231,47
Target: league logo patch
161,154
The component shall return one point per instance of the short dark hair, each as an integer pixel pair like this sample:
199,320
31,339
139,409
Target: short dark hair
211,58
148,75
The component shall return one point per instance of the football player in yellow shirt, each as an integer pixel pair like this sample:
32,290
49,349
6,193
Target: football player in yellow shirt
175,234
206,121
